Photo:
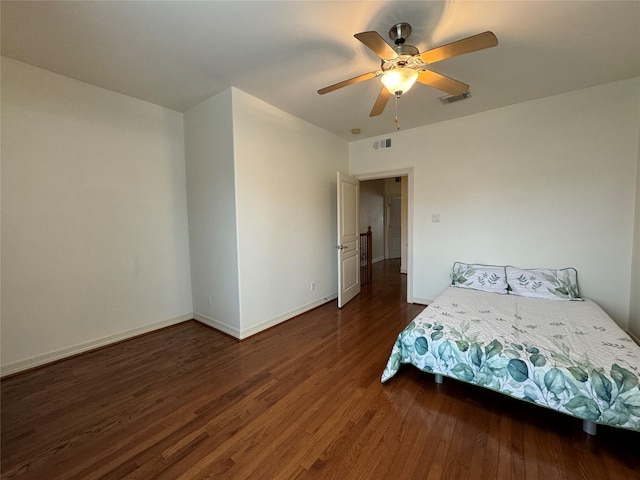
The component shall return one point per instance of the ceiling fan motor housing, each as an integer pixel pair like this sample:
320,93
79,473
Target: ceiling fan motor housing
407,57
406,49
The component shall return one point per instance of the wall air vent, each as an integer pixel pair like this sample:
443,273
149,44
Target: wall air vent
384,143
455,98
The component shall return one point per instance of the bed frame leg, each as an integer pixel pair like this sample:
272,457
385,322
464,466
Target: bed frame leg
438,378
589,427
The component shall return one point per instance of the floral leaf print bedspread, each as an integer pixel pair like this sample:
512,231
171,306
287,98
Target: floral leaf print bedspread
567,356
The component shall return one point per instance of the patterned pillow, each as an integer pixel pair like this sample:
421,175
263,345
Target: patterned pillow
488,278
544,283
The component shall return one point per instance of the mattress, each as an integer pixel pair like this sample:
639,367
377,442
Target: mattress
569,356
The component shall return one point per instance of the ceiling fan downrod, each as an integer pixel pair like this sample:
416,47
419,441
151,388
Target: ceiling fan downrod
399,33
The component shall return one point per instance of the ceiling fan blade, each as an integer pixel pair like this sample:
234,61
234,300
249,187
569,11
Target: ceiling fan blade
460,47
344,83
381,102
375,42
442,82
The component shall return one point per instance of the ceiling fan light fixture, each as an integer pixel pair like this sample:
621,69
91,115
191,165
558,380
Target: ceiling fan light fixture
399,80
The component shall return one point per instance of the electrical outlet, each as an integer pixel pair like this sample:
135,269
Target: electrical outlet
312,287
435,218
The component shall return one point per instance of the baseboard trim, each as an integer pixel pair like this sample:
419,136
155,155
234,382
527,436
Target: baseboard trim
39,360
377,259
286,316
249,332
218,325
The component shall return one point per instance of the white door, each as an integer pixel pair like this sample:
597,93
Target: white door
348,239
395,227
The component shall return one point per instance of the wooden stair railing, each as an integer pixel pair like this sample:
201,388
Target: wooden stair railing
366,260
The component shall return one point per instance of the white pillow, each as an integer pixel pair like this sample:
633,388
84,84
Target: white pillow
544,283
488,278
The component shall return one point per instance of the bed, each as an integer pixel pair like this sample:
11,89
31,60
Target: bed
545,345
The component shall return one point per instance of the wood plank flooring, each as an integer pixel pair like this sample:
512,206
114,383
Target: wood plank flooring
301,400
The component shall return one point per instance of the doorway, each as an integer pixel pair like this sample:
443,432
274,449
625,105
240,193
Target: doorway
386,205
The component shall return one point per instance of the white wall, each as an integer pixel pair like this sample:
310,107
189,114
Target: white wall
634,309
285,177
372,214
94,219
213,237
547,183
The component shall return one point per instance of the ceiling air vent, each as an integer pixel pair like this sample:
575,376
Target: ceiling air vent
455,98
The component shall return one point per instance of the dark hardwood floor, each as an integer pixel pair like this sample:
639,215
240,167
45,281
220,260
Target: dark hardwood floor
301,400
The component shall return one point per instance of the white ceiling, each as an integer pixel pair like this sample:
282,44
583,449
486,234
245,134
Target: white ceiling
177,54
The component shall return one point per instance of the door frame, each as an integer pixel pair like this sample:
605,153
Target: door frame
401,172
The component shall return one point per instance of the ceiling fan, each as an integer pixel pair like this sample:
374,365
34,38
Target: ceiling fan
402,65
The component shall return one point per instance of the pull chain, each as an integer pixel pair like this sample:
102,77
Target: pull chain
397,106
